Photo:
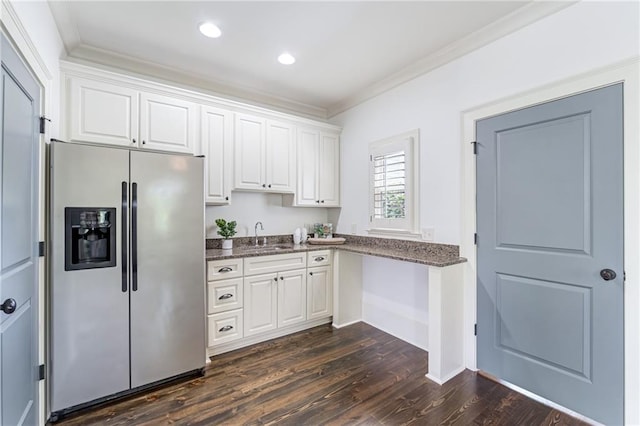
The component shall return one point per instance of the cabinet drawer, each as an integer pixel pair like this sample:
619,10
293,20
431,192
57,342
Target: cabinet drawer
225,327
224,295
274,263
319,258
224,269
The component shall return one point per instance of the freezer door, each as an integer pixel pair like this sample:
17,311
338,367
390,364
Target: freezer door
89,311
168,283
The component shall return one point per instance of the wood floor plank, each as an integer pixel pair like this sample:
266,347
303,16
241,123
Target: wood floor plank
357,375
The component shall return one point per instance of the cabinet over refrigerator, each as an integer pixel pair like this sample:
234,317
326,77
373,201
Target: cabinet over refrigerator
126,272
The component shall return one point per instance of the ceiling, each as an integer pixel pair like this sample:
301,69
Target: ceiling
346,51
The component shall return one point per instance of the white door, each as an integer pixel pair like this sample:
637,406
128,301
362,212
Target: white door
307,149
280,151
103,113
19,245
550,251
167,124
329,170
217,143
260,303
319,292
292,297
249,152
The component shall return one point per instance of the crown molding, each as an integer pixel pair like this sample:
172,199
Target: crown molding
67,27
117,61
13,28
520,18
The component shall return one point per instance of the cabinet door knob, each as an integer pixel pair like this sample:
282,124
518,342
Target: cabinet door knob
269,185
134,140
264,186
143,142
322,201
281,278
226,198
310,273
276,279
317,201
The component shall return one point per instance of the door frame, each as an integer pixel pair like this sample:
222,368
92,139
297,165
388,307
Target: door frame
626,72
18,37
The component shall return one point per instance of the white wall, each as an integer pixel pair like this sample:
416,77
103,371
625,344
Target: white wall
248,208
576,39
580,38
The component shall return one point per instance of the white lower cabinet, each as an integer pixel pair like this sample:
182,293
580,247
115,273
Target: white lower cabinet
261,295
319,292
292,297
258,298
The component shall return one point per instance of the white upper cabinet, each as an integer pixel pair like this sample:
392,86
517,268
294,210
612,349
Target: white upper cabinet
102,113
318,169
249,152
280,157
167,124
217,147
115,114
264,154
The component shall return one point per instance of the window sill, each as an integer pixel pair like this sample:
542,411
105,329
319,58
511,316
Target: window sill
395,233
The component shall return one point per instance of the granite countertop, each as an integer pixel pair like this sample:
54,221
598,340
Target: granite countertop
409,251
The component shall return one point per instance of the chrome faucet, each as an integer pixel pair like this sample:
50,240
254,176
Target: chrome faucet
256,230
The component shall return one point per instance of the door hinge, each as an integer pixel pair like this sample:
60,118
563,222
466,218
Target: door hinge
624,276
475,147
42,123
42,249
475,329
371,158
475,238
41,372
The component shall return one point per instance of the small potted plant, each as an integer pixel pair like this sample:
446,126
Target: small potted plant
226,230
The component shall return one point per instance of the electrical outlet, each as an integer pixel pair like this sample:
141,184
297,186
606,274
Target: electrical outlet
354,228
428,234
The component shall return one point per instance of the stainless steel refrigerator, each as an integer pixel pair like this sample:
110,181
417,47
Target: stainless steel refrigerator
127,286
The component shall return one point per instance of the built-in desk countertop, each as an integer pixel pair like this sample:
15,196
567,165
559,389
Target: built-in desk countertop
444,279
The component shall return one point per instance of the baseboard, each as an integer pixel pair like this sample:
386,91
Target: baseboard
263,337
346,324
446,378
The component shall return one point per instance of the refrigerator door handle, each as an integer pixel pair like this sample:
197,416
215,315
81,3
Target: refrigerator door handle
124,207
134,236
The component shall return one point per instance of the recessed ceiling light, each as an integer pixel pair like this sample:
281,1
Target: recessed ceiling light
210,30
286,59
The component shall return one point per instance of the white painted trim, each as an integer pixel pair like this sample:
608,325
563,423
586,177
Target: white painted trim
200,82
445,379
520,18
628,72
263,337
187,92
540,399
346,324
12,27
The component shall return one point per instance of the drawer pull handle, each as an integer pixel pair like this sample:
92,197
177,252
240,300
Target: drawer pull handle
225,269
226,328
225,296
319,259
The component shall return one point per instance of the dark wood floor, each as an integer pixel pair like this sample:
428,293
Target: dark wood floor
357,375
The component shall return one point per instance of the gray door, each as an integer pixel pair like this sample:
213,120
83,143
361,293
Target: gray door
19,247
549,212
167,266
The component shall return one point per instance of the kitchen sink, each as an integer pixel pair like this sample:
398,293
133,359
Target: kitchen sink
276,247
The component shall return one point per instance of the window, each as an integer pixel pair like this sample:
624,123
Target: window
393,182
